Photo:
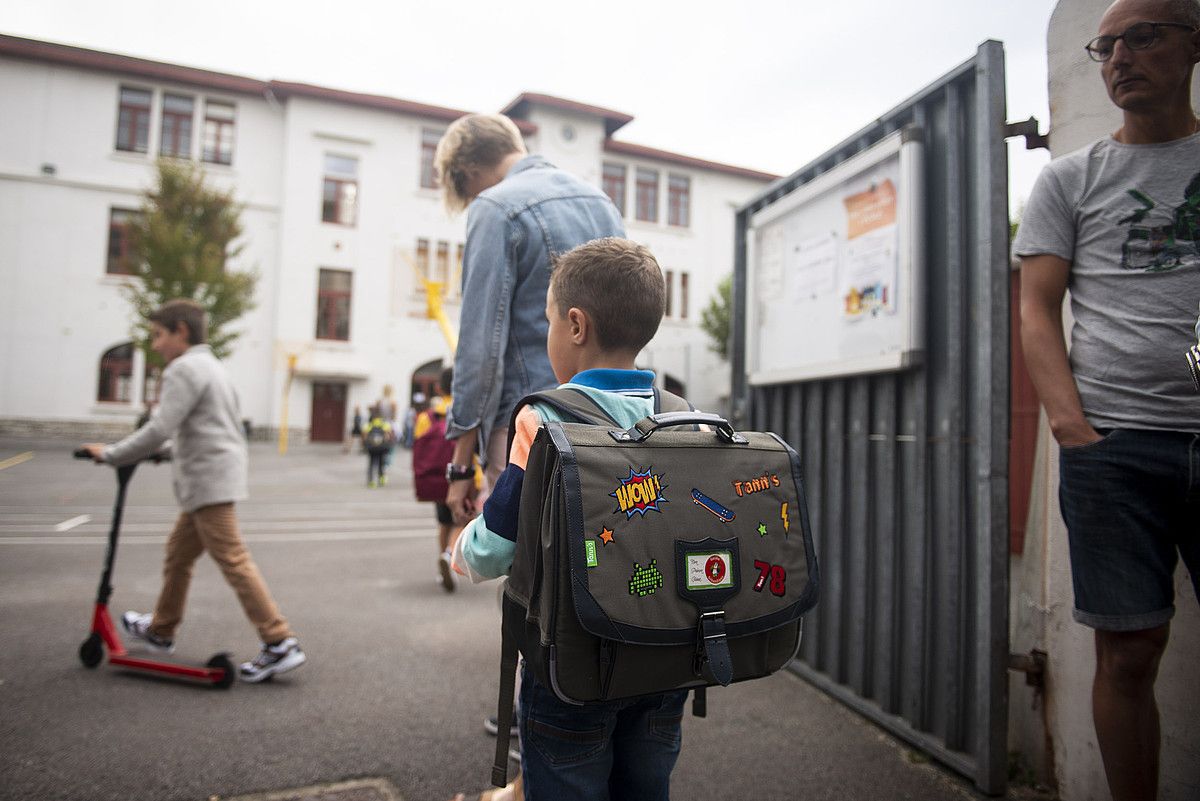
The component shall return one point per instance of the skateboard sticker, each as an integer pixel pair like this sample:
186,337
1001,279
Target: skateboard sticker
700,499
756,484
589,550
709,570
606,535
645,580
639,493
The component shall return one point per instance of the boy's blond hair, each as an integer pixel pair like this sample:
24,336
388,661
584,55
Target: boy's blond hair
476,141
619,284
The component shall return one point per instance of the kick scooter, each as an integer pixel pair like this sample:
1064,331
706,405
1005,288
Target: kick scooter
218,671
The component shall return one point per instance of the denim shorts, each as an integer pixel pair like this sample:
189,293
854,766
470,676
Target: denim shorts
1131,502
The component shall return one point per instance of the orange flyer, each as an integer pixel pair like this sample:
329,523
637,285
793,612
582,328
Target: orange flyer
874,208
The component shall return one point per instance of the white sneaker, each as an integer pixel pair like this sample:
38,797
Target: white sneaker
447,572
138,626
285,655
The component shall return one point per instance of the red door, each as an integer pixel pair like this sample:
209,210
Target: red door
328,412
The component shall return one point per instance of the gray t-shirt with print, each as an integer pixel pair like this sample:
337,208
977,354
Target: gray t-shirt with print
1127,217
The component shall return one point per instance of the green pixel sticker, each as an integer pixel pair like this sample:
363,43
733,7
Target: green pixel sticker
589,549
645,580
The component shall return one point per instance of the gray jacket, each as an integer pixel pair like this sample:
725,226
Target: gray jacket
198,412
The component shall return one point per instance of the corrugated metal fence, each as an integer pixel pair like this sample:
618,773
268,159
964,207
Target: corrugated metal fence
906,471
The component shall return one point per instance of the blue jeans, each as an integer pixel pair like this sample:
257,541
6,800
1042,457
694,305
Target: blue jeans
607,751
1131,502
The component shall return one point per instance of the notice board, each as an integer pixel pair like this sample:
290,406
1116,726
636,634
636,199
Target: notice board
834,270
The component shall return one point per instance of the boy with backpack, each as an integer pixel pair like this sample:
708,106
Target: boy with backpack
431,452
377,441
624,748
198,413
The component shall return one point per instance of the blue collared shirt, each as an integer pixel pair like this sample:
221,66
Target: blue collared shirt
514,229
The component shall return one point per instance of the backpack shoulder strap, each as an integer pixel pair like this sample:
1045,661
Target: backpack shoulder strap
574,405
670,402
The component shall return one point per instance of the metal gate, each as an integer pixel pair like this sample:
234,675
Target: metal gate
907,471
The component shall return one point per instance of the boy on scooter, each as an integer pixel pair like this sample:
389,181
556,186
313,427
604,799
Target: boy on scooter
198,413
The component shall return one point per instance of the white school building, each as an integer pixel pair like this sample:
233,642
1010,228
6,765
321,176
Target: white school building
342,220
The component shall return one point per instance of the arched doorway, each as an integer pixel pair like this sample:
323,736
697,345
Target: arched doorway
424,381
674,385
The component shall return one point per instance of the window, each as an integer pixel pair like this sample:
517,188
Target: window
176,126
443,265
422,264
152,384
339,201
333,305
647,195
429,143
683,296
679,197
119,222
614,184
116,375
133,120
669,277
218,132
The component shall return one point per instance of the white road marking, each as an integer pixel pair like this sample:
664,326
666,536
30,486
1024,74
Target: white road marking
67,525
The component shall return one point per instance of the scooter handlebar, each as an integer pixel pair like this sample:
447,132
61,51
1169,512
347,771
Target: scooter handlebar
157,458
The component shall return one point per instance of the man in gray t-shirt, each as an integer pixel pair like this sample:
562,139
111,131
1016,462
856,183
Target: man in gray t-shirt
1118,223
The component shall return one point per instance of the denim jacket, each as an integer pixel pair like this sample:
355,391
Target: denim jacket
513,231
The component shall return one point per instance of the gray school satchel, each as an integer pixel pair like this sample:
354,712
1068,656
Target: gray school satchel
656,558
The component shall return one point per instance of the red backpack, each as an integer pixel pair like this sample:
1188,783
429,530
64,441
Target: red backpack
431,452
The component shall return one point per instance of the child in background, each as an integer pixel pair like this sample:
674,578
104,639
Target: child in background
595,335
431,452
377,440
198,414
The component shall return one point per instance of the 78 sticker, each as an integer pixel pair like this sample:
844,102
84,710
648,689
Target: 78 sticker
770,575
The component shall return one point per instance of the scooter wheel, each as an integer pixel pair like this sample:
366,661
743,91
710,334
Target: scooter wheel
223,662
91,651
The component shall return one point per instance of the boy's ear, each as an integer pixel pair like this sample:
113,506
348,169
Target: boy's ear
580,325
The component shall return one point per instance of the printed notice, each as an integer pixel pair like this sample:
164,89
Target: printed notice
813,267
870,258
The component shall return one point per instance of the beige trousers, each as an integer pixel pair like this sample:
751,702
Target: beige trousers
214,529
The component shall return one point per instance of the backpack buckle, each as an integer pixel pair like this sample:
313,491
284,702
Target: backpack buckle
712,648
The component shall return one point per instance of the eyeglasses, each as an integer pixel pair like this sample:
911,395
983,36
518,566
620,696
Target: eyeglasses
1137,37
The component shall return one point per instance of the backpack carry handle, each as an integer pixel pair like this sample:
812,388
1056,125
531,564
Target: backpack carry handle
648,425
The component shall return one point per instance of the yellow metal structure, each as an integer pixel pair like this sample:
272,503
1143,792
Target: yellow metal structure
283,416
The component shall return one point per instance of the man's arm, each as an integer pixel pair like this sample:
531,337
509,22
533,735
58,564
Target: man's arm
1043,286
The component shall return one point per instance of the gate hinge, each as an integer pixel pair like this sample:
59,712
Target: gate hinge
1028,129
1032,664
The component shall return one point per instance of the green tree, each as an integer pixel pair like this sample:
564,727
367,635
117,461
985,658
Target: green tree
180,246
714,319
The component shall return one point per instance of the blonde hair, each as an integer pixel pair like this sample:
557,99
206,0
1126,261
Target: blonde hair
473,142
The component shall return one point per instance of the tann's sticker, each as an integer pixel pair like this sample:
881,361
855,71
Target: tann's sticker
709,570
589,550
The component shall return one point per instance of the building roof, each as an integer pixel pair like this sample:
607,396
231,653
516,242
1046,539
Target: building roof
641,151
517,109
520,105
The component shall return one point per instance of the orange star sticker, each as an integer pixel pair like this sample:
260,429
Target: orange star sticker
606,535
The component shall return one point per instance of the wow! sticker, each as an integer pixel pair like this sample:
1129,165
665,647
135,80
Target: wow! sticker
639,493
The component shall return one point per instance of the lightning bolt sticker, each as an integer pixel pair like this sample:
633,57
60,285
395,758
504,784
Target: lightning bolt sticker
783,514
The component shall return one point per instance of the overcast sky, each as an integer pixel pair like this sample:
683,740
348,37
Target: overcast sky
769,85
